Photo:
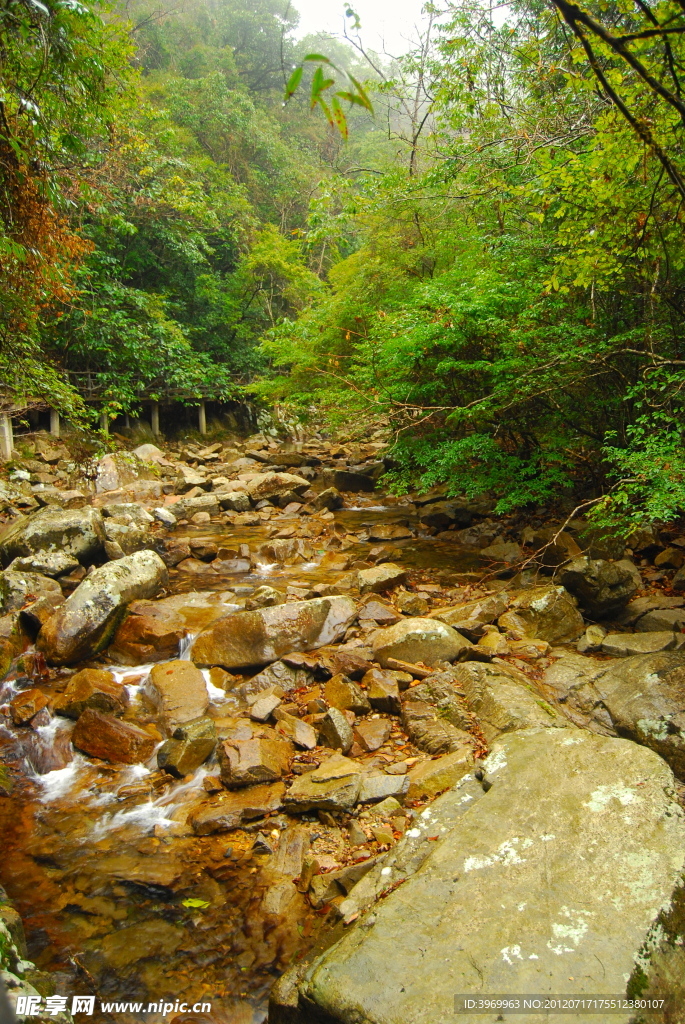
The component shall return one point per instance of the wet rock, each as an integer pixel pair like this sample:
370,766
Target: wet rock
329,788
336,731
92,688
302,734
179,690
342,693
262,636
389,531
418,640
76,532
188,748
503,700
275,485
441,514
566,831
383,692
344,480
372,733
287,551
412,604
230,810
602,588
26,704
18,589
154,938
153,635
331,499
381,578
622,645
247,762
110,739
543,613
84,624
264,597
46,563
378,787
435,776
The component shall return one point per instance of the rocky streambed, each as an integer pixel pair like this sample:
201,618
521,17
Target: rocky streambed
267,730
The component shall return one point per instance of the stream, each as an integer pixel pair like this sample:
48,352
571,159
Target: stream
119,897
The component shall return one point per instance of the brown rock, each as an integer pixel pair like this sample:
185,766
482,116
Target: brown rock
381,578
179,690
92,688
302,734
384,693
26,704
265,635
378,611
350,663
110,739
373,733
343,694
144,638
246,762
230,810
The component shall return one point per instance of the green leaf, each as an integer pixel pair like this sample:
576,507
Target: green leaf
293,82
196,904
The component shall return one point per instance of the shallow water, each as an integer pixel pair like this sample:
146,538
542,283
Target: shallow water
100,860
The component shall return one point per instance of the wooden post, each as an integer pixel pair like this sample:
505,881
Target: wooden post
127,421
6,437
104,423
54,422
202,418
154,418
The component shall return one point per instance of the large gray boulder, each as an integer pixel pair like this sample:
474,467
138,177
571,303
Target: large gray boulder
565,877
602,588
267,634
645,698
77,532
86,621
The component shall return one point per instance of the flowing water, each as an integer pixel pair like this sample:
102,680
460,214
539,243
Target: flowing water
119,897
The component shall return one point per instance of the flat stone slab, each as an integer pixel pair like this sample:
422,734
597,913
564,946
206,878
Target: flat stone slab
623,645
551,882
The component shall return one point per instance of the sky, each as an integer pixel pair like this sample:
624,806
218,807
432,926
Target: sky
389,21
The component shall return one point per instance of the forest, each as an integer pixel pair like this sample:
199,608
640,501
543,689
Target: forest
477,243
